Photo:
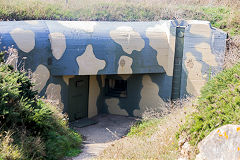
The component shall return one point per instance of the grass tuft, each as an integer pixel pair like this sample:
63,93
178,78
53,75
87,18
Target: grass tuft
218,105
223,14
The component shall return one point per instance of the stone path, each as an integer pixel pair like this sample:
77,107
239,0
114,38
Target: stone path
98,136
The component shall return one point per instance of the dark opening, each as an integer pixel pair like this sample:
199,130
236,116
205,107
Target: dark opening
116,87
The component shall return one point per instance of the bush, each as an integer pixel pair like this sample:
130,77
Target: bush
218,105
38,130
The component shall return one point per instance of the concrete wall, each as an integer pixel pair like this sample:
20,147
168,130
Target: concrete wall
203,55
111,47
140,52
144,91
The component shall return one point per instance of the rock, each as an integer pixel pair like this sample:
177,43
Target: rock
182,158
181,142
221,144
185,150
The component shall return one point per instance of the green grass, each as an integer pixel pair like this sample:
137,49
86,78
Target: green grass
218,105
223,18
73,152
31,128
151,138
222,14
144,128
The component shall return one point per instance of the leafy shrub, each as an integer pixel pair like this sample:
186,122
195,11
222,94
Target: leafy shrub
218,105
39,130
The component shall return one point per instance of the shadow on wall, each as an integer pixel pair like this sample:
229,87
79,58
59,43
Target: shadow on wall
144,91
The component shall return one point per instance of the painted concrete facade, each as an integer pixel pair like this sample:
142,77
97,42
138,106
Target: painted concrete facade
203,55
142,53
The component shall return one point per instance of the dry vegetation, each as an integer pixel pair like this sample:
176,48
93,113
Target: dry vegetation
232,55
153,138
8,150
224,14
29,127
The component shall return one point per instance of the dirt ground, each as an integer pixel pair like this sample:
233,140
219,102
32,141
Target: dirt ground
98,136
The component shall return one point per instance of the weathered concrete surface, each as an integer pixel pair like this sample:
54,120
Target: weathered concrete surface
142,53
203,55
221,144
97,137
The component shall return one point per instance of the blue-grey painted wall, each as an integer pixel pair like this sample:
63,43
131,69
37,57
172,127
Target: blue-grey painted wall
142,53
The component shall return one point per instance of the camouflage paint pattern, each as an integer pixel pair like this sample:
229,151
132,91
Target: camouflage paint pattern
203,55
140,52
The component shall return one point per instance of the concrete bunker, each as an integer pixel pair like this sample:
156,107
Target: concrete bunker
122,68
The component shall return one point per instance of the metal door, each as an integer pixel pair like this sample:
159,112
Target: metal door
78,97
